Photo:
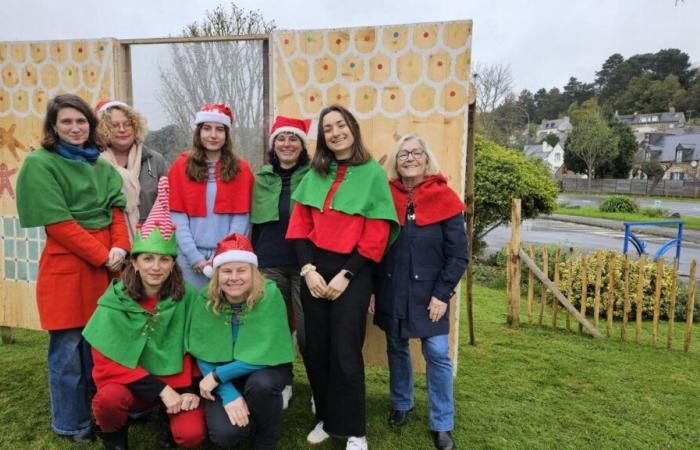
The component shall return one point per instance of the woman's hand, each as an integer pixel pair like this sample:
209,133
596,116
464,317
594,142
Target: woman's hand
337,286
171,399
316,284
115,259
371,304
199,267
207,385
189,401
436,309
237,412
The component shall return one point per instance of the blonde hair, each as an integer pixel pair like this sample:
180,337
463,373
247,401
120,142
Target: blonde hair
431,165
216,297
104,129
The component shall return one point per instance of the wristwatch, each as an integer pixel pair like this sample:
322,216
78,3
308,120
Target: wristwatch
347,274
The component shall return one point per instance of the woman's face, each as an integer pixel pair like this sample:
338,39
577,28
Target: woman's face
236,280
123,134
72,126
411,160
153,268
287,147
336,132
213,136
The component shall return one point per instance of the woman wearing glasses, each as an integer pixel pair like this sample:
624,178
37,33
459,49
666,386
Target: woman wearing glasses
415,280
123,131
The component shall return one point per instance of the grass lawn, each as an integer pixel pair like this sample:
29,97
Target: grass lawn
691,222
531,388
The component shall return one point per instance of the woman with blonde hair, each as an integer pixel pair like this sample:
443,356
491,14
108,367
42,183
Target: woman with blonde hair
415,281
123,131
238,333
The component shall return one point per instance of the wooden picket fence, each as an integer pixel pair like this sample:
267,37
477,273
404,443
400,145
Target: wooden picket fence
561,294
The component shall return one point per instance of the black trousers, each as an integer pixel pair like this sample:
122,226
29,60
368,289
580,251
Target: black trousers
335,333
262,392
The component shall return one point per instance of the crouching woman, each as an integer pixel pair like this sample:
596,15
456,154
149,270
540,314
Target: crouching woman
137,335
238,332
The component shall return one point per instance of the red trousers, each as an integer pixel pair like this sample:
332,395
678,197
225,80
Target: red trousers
112,403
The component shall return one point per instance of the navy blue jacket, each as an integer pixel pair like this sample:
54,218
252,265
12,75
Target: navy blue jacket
424,262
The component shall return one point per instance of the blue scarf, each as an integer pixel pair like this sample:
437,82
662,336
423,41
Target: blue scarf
69,151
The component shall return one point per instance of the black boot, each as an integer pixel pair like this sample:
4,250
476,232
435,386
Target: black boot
165,436
115,440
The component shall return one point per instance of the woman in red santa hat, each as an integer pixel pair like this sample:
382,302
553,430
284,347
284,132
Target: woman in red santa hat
211,190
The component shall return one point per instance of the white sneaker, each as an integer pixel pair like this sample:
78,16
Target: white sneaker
318,435
356,443
286,396
313,406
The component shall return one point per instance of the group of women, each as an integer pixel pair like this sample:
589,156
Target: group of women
165,300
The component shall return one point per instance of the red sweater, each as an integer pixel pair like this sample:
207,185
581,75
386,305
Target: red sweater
336,231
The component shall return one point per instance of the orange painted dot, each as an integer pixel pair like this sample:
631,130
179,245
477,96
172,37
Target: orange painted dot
58,49
92,74
439,63
29,74
337,97
338,41
452,93
426,34
380,66
2,98
286,41
367,38
325,67
80,50
312,98
392,96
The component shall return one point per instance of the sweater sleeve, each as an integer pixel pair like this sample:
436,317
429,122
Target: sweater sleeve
226,391
79,241
185,240
118,230
240,223
235,369
455,250
300,223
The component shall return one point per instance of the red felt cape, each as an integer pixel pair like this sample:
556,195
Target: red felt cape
433,200
189,197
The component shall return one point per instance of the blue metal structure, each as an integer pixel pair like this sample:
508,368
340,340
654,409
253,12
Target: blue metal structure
640,245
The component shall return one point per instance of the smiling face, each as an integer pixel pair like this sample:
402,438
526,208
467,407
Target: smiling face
122,133
337,134
236,280
72,126
213,136
411,161
154,269
287,147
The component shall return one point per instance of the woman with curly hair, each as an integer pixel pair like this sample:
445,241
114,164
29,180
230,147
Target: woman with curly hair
211,190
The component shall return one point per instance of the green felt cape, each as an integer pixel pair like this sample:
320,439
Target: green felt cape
263,334
128,334
52,189
363,191
266,195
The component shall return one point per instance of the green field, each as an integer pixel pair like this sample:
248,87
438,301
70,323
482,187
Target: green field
691,222
530,388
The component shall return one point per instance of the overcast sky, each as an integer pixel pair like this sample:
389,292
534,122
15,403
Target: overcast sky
545,42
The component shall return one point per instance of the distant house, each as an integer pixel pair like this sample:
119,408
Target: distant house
654,122
559,127
552,156
680,151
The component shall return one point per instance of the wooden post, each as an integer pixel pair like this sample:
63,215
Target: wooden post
584,288
6,333
657,301
543,296
626,296
639,297
570,290
557,293
469,203
672,302
509,285
530,287
515,263
612,262
600,260
555,303
691,306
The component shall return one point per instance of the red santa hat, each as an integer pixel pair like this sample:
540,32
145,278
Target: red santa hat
215,112
105,105
290,125
233,248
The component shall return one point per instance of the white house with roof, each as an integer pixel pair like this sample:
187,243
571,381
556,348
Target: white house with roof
654,122
680,152
553,156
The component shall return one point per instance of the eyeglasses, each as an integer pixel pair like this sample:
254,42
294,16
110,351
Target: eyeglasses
404,154
117,125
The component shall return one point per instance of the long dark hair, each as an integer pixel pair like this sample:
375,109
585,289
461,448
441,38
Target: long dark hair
324,156
50,138
196,167
174,285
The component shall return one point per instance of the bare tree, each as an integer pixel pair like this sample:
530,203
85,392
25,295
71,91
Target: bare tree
494,83
220,72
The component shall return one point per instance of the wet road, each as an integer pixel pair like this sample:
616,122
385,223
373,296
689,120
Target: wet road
685,207
541,231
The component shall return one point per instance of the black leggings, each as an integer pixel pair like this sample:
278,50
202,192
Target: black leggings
262,391
335,333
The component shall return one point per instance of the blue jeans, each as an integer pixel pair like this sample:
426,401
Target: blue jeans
70,378
438,375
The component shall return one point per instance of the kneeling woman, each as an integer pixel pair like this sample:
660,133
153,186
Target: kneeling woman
137,335
238,333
